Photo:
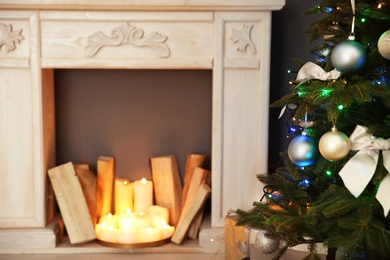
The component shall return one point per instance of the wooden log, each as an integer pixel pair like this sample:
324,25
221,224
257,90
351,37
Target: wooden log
167,185
193,161
189,213
83,166
87,181
72,204
195,225
104,185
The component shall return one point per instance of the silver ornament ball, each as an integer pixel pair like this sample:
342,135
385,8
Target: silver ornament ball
349,56
264,244
334,145
302,150
384,45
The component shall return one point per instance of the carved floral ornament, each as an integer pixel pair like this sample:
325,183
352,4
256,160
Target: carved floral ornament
9,38
127,34
243,38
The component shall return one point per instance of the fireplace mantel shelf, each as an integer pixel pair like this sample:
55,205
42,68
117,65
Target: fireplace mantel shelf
232,38
137,5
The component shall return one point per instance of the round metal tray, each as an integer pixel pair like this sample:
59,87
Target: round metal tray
135,245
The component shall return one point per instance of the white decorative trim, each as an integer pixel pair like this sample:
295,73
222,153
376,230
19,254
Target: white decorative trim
127,34
9,38
243,38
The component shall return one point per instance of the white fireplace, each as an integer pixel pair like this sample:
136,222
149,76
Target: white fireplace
231,38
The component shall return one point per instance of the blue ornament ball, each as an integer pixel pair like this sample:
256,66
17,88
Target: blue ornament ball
349,56
303,150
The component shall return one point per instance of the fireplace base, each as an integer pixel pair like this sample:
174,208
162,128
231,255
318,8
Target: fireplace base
50,240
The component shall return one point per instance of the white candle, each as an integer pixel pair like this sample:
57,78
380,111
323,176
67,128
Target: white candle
140,220
149,234
109,220
158,215
128,237
108,234
166,230
125,220
143,195
123,195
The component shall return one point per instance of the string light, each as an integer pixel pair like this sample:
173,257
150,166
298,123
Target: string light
340,107
329,173
326,92
380,5
328,9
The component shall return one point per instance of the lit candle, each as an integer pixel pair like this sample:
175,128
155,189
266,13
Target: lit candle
109,220
143,195
166,230
140,220
123,195
158,215
125,220
109,234
149,234
128,236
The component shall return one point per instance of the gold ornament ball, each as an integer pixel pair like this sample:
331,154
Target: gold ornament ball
384,45
334,145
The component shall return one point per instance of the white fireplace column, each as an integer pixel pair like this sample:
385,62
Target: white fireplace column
232,38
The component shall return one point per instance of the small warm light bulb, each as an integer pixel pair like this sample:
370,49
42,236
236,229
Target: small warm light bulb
379,6
128,212
124,182
150,230
143,181
212,240
109,215
141,213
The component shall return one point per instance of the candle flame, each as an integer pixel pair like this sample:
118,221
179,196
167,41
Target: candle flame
143,181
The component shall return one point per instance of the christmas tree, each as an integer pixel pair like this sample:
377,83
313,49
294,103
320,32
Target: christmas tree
334,185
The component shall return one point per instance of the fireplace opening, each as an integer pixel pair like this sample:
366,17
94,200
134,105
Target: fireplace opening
132,115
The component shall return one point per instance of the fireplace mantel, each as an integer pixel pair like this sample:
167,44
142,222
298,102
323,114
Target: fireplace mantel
137,5
231,38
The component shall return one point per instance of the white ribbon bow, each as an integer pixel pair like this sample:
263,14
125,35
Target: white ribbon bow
310,71
360,169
